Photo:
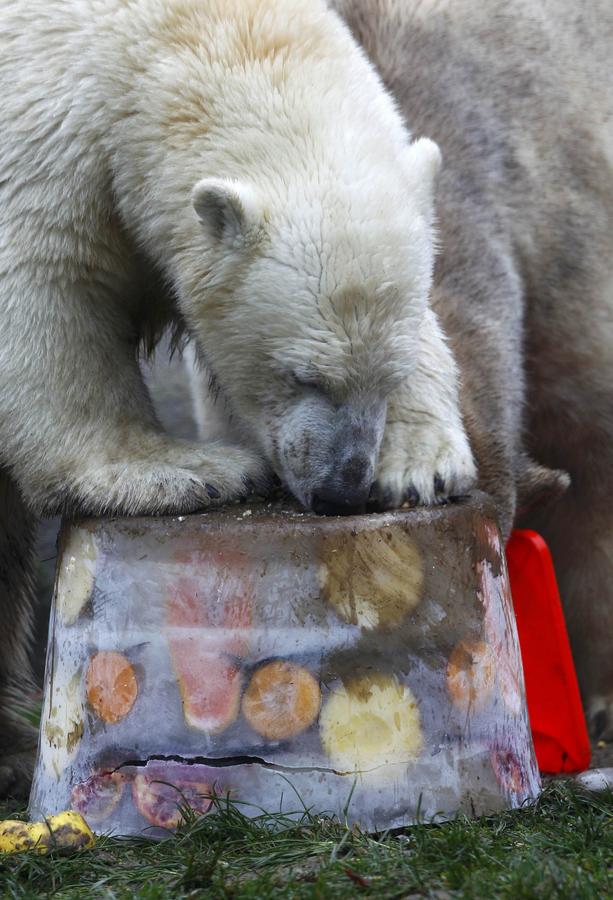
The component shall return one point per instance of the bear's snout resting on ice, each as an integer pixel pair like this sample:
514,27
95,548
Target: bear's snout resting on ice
234,167
322,328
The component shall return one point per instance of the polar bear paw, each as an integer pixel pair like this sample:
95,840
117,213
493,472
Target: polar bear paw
175,478
423,464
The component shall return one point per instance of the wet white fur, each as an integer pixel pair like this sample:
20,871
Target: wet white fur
246,152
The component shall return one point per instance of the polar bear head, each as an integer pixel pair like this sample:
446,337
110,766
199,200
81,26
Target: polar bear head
307,312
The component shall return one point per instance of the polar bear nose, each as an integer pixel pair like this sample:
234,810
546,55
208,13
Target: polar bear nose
346,491
339,503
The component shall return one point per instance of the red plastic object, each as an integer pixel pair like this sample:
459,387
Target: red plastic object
556,715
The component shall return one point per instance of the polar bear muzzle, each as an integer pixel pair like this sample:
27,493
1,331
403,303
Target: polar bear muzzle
346,490
327,454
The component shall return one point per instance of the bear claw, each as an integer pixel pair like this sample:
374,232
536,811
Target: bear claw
411,495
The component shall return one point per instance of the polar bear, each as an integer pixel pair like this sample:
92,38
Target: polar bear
237,169
519,96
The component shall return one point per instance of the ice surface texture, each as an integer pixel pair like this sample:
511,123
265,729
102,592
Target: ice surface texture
365,666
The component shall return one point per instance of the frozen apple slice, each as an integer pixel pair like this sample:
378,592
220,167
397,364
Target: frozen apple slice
471,674
281,700
373,579
111,685
97,797
371,721
161,792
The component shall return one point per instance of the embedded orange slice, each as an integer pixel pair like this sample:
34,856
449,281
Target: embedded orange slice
111,685
281,701
471,674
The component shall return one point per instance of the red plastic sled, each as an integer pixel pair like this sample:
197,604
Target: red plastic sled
554,704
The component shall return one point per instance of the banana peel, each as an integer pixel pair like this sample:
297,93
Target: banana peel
68,831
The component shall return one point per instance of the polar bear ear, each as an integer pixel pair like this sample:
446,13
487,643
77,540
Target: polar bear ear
228,209
423,162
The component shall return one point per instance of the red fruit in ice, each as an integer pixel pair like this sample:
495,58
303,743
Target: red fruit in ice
97,797
508,770
208,616
210,686
161,792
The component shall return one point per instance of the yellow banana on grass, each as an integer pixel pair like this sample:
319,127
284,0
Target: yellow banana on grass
67,831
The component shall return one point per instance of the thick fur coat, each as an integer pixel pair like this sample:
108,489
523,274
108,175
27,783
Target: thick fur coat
239,168
519,97
234,167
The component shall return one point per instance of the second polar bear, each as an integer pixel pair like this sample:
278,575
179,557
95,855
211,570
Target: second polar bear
234,167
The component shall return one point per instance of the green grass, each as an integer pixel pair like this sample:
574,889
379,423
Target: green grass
560,848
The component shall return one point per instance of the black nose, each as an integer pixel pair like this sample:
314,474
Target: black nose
335,502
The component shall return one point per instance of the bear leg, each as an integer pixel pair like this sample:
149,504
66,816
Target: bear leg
17,738
571,428
425,456
80,433
579,531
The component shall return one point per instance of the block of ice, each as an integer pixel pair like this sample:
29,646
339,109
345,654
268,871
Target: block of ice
365,666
